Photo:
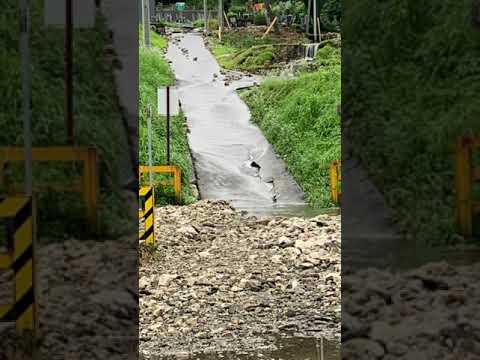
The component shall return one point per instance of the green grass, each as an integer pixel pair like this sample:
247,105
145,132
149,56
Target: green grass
410,97
157,41
97,118
155,72
249,59
299,118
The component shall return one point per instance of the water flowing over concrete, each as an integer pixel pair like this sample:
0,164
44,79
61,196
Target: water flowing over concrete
232,158
311,50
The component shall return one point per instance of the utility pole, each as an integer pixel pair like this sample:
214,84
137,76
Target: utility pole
26,92
309,12
220,18
146,22
314,20
205,16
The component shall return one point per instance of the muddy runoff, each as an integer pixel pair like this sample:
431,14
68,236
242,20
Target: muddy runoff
222,284
232,158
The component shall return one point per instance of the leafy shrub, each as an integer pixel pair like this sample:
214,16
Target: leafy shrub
199,23
212,24
328,55
331,15
259,18
289,7
236,10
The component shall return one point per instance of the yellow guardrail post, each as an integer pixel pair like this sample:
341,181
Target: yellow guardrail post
91,187
176,183
17,215
467,175
464,187
89,184
147,194
335,179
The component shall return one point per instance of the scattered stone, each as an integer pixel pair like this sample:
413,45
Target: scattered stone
239,279
284,242
87,293
430,312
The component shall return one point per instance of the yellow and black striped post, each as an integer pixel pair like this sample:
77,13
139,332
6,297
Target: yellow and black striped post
16,214
147,201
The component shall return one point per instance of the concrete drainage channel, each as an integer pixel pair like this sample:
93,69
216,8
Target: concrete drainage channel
232,158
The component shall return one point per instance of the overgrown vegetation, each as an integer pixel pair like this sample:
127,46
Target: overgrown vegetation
154,73
248,51
410,96
98,119
299,118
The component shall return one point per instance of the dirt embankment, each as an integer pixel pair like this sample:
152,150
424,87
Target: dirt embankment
222,281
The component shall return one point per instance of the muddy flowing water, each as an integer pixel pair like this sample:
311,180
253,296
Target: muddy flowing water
294,348
289,348
232,158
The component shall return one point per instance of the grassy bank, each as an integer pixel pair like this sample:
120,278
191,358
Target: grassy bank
155,72
409,98
98,119
299,118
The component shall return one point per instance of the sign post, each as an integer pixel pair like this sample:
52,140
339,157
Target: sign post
61,13
168,125
168,106
26,92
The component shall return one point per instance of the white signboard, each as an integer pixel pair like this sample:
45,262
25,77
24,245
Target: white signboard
162,102
83,13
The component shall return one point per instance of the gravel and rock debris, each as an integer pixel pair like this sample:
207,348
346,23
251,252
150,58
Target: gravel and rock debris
220,280
87,302
431,312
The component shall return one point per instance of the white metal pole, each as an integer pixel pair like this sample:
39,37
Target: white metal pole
220,15
205,15
150,162
146,22
309,12
321,348
315,20
26,92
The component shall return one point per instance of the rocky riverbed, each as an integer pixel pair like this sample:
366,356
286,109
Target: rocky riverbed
87,302
222,281
431,312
